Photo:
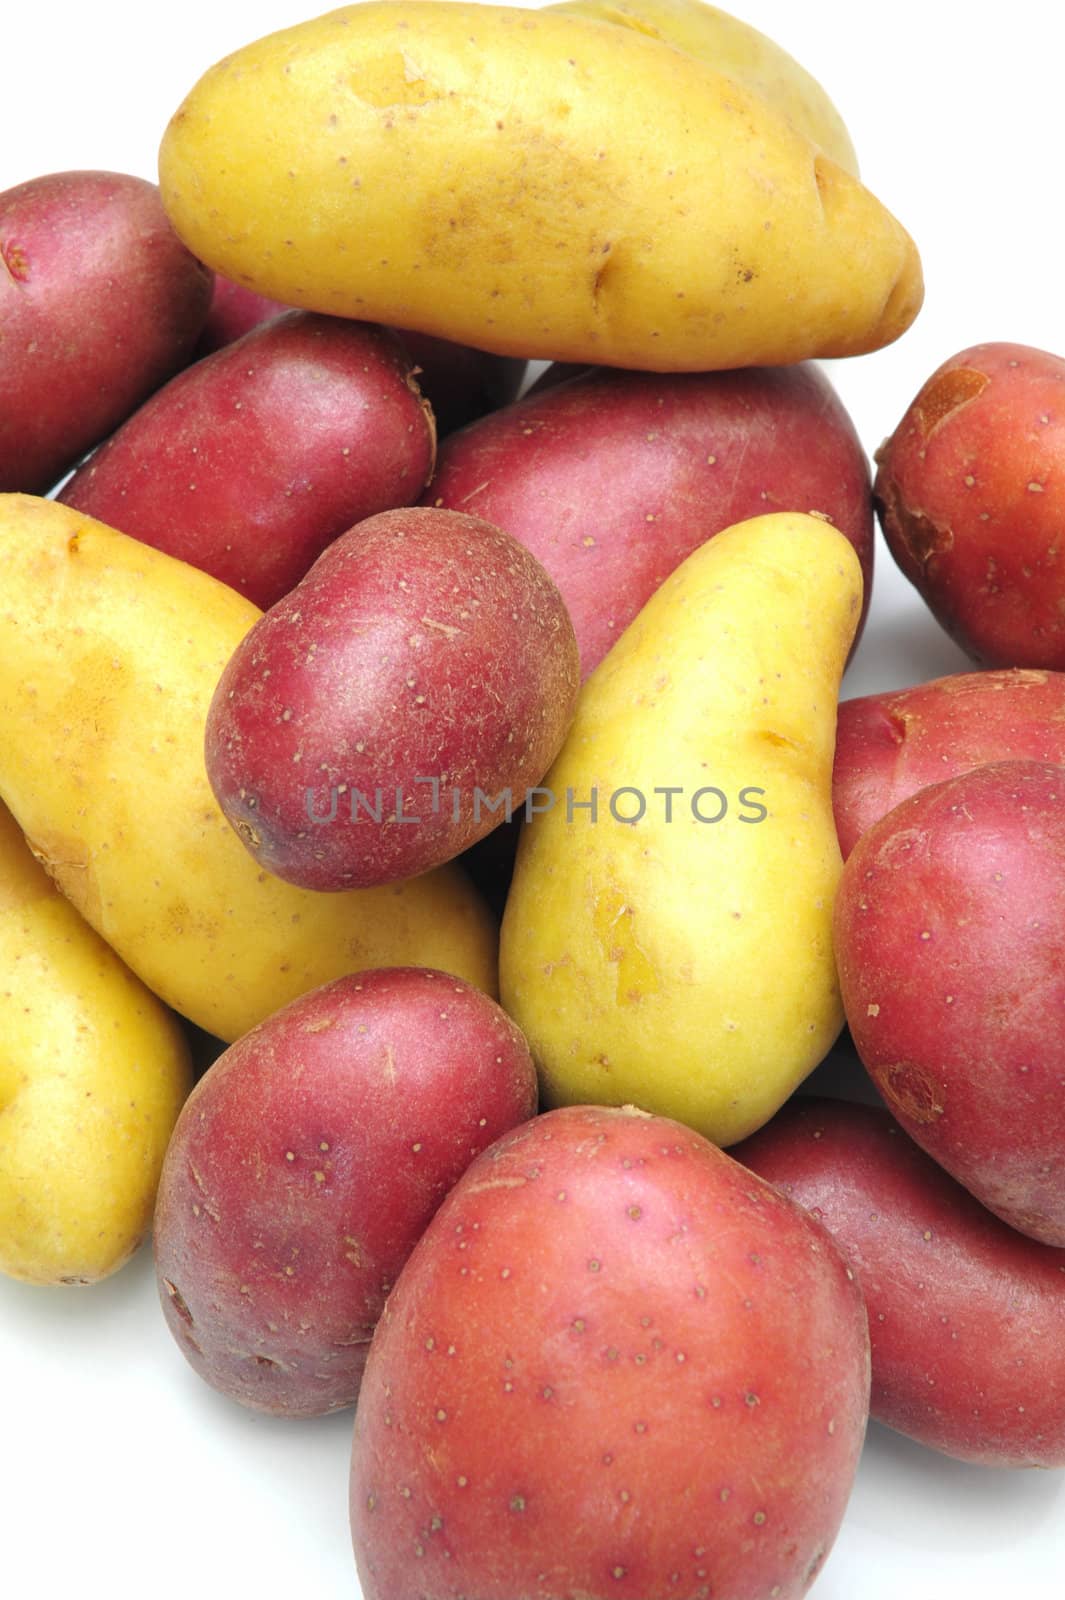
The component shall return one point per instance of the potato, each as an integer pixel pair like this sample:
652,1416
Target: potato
635,944
890,745
460,384
612,478
93,1071
248,464
306,1165
99,303
616,1365
971,496
950,940
967,1316
472,156
423,673
109,654
740,52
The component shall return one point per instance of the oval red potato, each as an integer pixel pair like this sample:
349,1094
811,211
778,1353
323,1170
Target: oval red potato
890,745
612,478
950,941
99,303
381,718
306,1164
250,462
616,1366
967,1316
971,496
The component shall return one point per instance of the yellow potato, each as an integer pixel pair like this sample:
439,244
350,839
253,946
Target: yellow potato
535,184
740,52
93,1072
685,965
109,654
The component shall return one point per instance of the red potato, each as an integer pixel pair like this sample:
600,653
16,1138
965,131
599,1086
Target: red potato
616,1365
378,719
306,1164
967,1317
890,745
971,496
950,940
612,478
461,384
252,461
100,303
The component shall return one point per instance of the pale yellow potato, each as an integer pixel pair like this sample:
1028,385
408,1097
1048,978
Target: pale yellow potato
739,51
93,1072
687,967
109,654
535,184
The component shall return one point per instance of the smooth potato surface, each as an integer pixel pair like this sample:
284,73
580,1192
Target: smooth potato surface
380,719
966,1316
99,303
950,939
249,463
306,1165
617,1366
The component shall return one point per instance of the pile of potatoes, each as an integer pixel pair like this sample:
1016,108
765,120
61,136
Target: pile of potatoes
430,834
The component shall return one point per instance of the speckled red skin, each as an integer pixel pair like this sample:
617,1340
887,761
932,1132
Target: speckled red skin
950,942
307,1163
612,478
971,496
616,1366
890,745
967,1316
422,644
100,303
249,463
460,384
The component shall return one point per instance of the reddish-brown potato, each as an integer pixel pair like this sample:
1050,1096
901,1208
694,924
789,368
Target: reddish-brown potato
100,303
307,1163
612,478
616,1366
249,463
967,1316
950,941
971,496
387,712
460,384
890,745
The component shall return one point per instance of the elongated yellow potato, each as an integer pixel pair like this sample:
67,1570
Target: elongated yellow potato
93,1072
532,183
109,654
673,949
739,51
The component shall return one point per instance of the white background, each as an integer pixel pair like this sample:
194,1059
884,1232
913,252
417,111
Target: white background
120,1472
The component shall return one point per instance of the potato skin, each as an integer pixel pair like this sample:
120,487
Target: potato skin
422,646
950,939
966,1316
890,745
615,1365
466,150
99,303
612,478
93,1071
250,462
971,496
306,1165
